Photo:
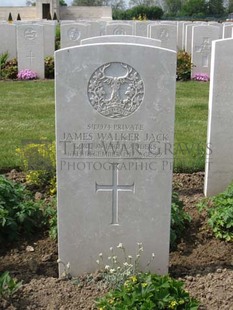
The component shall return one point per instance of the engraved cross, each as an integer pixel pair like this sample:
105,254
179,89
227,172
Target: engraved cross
115,188
31,56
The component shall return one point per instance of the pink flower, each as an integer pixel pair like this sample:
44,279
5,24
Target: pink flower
26,74
201,77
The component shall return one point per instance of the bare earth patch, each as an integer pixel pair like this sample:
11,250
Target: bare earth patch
204,263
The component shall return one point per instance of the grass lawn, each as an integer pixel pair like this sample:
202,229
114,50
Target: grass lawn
27,114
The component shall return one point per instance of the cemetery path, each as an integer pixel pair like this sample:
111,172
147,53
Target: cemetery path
204,263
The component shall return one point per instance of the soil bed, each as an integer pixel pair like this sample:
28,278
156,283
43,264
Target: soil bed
204,263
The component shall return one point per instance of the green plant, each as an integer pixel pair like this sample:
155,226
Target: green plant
18,213
21,215
8,285
184,66
38,162
11,69
117,270
58,37
50,217
8,68
179,220
147,291
220,214
49,67
10,19
3,59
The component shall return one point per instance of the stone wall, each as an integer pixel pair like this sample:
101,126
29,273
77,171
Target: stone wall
66,13
85,12
26,13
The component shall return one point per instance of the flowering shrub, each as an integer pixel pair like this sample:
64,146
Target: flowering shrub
203,77
184,66
148,291
116,272
39,163
26,74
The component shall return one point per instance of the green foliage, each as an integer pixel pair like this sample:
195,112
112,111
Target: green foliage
10,19
173,7
220,213
39,163
8,285
215,7
116,272
179,220
8,68
50,217
18,213
62,3
88,2
58,36
194,8
148,292
21,215
49,67
184,66
150,12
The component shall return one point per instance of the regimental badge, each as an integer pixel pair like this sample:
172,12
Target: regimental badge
115,90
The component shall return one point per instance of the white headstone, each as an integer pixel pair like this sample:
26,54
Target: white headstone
227,31
188,38
115,125
8,40
122,38
73,33
30,47
141,28
219,158
166,33
49,38
119,29
202,37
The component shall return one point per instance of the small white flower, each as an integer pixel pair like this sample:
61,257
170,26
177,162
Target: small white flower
101,255
112,270
120,246
107,267
111,249
139,244
130,257
153,255
114,257
118,268
97,261
110,257
59,260
137,255
125,264
68,266
141,249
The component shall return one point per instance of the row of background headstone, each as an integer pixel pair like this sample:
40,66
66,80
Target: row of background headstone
193,37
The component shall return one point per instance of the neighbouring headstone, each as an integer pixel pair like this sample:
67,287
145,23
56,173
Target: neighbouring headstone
30,48
141,28
115,126
166,33
188,38
73,33
49,37
219,153
8,40
122,38
119,28
227,31
202,37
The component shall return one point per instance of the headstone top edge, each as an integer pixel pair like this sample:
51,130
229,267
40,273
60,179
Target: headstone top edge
123,44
